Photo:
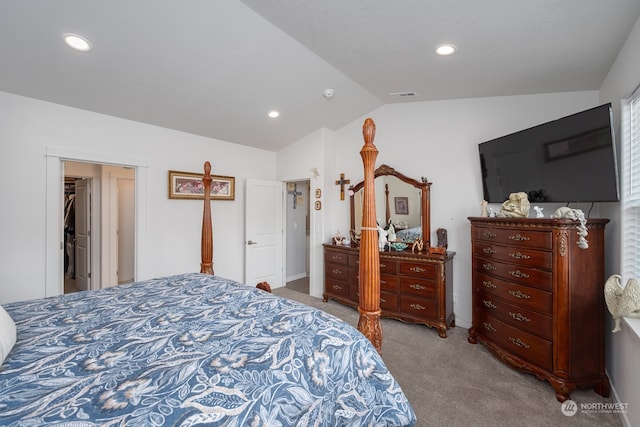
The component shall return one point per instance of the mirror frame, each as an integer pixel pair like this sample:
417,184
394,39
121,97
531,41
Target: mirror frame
425,202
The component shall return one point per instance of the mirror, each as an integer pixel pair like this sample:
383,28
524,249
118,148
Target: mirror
403,200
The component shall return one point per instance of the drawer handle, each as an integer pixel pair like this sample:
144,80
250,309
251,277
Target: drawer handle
417,269
519,317
489,234
489,250
519,273
519,238
336,257
488,284
489,304
383,265
417,286
383,300
520,295
518,255
337,287
337,271
519,343
418,307
489,327
489,266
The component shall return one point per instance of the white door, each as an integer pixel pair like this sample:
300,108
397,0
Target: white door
83,234
263,233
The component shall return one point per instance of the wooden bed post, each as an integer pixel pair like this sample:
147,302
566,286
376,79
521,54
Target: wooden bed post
206,244
369,270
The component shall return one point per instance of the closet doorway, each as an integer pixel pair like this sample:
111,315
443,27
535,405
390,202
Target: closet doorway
98,225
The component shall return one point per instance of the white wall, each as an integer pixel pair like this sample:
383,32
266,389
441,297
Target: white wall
28,127
622,348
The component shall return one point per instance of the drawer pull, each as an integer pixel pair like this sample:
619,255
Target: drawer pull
519,343
383,300
337,287
417,269
489,266
489,327
488,284
383,282
489,250
418,307
489,304
336,257
519,274
520,295
417,286
519,238
383,265
489,234
518,255
519,317
337,271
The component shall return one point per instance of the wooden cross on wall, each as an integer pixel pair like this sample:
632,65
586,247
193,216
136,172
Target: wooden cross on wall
342,182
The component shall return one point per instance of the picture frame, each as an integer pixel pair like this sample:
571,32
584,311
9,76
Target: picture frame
402,205
189,185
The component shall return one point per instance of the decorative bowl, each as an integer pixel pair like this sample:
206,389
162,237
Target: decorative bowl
399,246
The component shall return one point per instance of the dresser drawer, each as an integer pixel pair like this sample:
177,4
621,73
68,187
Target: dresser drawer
336,272
520,343
520,237
524,296
389,282
419,287
388,301
337,288
335,257
518,316
512,272
418,269
419,308
521,256
389,266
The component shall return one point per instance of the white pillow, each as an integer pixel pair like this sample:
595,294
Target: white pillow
7,334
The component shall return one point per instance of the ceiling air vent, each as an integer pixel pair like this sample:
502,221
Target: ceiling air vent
402,94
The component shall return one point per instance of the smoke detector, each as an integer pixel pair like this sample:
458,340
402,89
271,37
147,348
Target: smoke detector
327,93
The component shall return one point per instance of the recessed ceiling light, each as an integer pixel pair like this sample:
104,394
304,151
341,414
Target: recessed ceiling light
445,49
77,42
274,114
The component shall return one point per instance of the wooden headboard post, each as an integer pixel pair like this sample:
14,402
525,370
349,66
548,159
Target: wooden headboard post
206,244
369,270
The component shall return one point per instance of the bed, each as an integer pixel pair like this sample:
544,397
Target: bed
187,350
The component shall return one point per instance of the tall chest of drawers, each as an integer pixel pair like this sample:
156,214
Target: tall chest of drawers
538,299
415,288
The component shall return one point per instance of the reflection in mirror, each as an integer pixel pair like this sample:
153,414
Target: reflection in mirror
399,199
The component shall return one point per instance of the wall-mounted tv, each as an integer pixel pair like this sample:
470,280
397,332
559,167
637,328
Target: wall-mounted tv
571,159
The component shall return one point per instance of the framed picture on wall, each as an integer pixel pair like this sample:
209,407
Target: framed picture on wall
402,205
188,185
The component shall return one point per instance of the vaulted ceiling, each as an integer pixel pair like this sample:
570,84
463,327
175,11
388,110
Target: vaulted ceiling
216,68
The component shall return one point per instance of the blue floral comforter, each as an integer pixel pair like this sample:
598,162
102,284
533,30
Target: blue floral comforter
191,350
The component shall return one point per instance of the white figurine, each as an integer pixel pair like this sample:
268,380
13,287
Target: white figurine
483,212
538,210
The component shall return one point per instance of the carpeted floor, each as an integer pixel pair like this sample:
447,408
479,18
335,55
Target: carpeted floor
450,382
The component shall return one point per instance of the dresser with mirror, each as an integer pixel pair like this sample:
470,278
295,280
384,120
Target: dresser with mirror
416,286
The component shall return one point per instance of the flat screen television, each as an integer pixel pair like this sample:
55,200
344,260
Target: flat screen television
571,159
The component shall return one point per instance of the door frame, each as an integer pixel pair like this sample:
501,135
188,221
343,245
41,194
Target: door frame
54,237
